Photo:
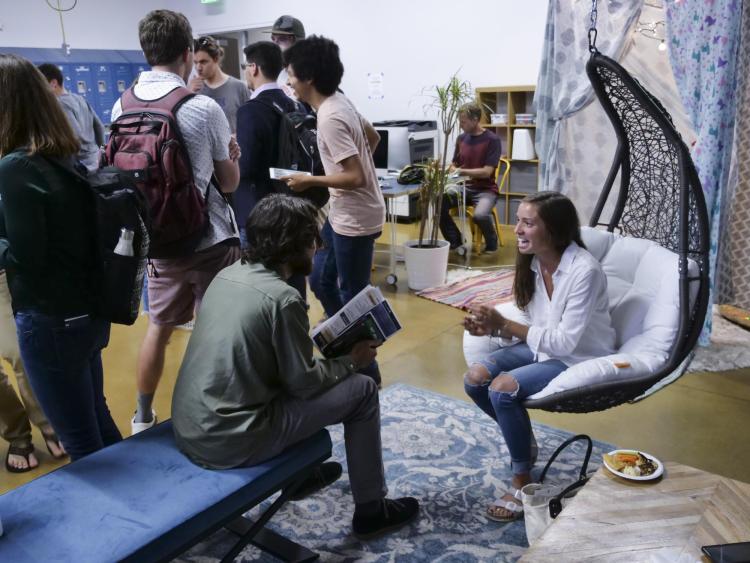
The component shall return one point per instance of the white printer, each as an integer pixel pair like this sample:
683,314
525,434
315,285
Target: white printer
404,142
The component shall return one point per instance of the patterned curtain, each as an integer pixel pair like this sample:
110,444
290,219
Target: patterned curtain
734,263
703,40
563,87
587,142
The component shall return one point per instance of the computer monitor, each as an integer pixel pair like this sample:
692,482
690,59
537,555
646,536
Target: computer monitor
380,156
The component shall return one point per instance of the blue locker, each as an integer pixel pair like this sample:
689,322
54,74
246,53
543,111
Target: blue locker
123,77
83,82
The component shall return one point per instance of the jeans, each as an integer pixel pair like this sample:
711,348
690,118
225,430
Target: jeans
324,279
351,259
64,365
354,402
483,202
297,281
505,407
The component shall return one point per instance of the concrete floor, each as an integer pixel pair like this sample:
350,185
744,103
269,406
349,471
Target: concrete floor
701,420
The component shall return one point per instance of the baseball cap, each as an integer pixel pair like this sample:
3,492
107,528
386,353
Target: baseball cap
289,25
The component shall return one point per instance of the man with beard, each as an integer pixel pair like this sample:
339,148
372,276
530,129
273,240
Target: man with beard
249,385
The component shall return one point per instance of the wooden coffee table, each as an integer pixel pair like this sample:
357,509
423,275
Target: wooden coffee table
612,519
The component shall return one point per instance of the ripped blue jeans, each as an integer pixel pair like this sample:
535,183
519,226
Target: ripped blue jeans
505,408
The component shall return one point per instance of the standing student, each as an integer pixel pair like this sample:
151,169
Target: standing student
176,285
16,416
258,125
227,91
84,121
346,141
285,32
48,250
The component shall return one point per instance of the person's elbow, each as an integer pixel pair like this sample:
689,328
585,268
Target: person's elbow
228,175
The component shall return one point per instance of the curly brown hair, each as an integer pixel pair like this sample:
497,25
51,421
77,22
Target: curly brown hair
280,229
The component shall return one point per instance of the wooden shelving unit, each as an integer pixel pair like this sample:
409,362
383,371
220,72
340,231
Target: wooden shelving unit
524,174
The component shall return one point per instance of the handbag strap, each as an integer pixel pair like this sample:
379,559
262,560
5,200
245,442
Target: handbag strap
555,504
565,444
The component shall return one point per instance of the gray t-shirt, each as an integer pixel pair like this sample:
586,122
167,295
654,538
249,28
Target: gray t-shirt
86,125
230,96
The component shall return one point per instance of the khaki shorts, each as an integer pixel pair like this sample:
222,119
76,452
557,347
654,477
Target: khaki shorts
176,288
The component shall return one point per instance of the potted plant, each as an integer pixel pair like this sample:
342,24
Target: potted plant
427,257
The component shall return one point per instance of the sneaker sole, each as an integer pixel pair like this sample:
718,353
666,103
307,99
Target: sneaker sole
383,531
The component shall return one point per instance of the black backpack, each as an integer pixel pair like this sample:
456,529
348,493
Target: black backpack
118,204
298,150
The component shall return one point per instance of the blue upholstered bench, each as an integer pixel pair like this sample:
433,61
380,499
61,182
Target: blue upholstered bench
142,500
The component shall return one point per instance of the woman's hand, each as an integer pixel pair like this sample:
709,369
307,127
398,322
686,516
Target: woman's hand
484,320
297,182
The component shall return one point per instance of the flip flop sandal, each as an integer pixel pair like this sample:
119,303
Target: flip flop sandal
22,451
53,438
515,508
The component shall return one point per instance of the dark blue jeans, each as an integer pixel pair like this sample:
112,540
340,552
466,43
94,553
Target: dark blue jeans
506,408
351,259
63,362
324,279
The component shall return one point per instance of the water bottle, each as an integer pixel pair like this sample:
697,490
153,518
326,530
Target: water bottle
125,244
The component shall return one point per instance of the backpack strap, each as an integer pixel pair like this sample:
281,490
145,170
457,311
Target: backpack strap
171,101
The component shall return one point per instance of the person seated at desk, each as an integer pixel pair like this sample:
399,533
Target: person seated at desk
562,291
249,385
477,155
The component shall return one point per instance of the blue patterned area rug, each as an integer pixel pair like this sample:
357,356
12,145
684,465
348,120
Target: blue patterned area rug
443,451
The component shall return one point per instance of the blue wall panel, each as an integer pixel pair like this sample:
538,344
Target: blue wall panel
99,75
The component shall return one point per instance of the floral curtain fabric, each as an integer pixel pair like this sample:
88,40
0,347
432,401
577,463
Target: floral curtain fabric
563,87
734,264
703,39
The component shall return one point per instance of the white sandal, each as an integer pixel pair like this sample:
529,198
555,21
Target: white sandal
515,508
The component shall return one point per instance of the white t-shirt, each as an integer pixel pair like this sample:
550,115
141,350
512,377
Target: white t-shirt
575,324
205,130
359,211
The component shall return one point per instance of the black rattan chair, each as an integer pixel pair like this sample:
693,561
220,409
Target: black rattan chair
660,198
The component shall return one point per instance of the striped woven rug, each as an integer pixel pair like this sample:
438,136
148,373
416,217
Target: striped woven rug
491,287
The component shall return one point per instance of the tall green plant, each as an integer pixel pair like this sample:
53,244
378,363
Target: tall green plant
447,99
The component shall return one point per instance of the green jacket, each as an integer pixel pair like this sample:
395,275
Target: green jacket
249,351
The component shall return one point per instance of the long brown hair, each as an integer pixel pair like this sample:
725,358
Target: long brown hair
31,116
561,222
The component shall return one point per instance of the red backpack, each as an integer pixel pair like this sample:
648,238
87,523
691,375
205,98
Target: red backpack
146,144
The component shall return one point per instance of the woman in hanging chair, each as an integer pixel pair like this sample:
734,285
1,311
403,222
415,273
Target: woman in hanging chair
562,292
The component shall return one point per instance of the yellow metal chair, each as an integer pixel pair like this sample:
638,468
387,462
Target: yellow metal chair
476,233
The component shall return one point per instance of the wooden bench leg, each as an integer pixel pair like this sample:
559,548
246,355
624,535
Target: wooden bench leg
256,533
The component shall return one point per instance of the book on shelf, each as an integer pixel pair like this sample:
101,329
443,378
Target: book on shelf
368,316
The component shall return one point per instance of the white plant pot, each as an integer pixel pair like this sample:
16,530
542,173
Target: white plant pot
426,267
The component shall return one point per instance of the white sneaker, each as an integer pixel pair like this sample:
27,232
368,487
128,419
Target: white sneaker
136,427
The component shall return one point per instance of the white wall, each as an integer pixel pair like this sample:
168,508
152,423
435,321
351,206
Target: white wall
93,24
415,43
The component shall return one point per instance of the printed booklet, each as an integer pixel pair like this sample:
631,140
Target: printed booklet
368,316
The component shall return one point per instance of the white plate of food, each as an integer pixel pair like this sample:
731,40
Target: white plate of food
633,465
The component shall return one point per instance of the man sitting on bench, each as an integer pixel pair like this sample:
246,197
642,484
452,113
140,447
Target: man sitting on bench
249,385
